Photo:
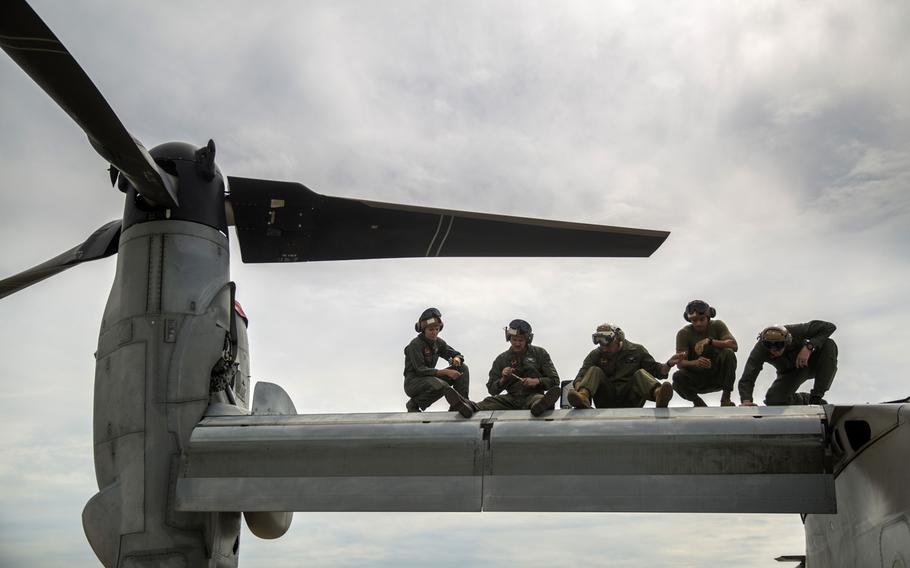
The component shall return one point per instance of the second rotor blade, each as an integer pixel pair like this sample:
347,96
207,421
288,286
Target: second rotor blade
100,244
287,222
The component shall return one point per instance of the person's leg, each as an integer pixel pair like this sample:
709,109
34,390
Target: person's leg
646,387
583,389
825,368
684,383
725,362
424,391
783,390
462,384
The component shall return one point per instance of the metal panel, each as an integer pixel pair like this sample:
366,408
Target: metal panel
672,460
332,463
660,460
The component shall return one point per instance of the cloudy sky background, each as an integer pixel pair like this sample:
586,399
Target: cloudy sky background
770,138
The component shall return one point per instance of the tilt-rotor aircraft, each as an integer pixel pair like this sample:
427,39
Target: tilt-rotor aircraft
182,448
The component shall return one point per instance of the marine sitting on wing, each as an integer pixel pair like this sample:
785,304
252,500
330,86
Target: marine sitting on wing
620,374
423,382
526,372
798,352
709,364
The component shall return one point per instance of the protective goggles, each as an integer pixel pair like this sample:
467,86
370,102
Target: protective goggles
603,337
769,345
510,331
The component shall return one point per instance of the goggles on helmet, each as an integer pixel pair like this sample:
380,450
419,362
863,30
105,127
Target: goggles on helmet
769,345
603,337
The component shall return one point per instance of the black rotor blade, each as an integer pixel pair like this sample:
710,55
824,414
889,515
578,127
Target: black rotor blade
35,48
287,222
102,243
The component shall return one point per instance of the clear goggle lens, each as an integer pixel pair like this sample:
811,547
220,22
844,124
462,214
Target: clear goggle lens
603,337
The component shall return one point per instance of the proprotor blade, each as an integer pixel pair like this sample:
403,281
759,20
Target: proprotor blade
287,222
32,45
102,243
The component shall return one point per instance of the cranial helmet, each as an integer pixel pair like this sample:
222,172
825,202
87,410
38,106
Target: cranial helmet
774,334
429,316
518,327
700,307
607,333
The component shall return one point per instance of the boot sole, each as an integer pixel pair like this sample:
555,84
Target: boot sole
456,401
663,395
548,402
576,400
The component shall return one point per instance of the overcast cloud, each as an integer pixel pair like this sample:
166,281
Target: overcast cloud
770,138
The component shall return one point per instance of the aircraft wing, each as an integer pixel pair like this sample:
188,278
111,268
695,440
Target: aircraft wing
717,460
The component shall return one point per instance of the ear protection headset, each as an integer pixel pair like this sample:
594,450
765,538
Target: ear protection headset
698,307
429,316
607,333
518,327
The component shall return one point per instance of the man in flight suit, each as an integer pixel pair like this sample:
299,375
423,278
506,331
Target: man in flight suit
799,352
709,364
525,372
620,374
423,382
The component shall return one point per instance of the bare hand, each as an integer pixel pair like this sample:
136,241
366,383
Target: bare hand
747,402
506,373
530,382
700,346
802,359
703,363
456,361
449,373
676,358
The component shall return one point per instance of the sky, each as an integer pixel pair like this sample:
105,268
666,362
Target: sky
769,138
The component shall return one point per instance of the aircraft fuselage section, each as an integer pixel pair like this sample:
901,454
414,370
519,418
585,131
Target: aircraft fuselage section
872,524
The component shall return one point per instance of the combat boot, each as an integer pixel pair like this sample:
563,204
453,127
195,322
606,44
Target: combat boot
815,398
580,398
725,399
547,402
459,403
699,402
412,405
662,394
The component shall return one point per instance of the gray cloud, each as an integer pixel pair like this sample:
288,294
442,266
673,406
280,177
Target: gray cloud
769,138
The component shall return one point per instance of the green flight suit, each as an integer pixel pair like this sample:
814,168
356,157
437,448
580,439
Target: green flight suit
535,363
420,380
624,379
690,383
822,365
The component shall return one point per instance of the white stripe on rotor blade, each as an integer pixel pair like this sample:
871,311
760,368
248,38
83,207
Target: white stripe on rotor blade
436,234
445,236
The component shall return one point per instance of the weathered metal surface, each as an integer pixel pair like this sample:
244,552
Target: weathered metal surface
671,460
872,524
162,332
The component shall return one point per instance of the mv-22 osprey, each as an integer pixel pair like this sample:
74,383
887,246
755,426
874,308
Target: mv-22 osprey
181,450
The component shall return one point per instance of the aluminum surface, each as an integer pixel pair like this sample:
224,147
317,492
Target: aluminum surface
672,460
